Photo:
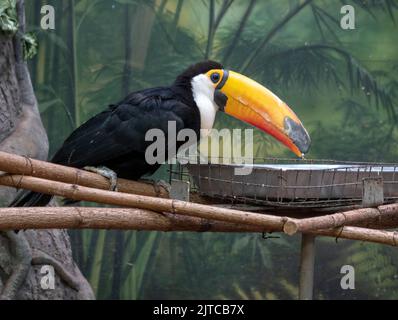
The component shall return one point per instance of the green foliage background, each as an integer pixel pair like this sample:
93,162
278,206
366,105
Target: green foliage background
342,83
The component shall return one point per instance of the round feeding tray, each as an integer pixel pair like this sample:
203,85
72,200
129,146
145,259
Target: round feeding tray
309,185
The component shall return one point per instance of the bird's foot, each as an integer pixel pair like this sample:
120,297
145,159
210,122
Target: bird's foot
107,173
161,184
158,185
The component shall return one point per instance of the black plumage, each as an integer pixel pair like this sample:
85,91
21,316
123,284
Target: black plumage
115,138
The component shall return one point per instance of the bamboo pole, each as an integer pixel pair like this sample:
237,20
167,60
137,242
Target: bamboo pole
366,216
361,234
307,266
75,192
25,166
12,163
139,219
20,165
110,218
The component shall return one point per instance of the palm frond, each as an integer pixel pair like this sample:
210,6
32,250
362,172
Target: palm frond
370,6
306,65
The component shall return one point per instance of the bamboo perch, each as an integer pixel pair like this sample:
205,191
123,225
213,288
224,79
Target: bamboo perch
389,218
110,218
20,165
76,192
138,219
362,234
73,191
366,216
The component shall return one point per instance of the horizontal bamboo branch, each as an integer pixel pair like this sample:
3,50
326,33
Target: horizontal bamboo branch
366,216
362,234
110,218
138,219
77,184
76,192
16,164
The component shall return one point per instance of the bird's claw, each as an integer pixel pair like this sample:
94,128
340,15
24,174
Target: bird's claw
107,173
161,184
157,185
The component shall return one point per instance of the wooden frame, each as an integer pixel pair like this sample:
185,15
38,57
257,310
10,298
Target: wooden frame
144,207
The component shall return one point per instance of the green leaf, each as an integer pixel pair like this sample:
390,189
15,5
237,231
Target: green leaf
143,259
127,1
29,45
9,25
8,17
48,104
240,244
52,37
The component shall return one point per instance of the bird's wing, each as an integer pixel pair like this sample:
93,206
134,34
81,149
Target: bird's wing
121,129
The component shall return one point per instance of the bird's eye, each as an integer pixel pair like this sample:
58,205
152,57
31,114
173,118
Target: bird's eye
215,77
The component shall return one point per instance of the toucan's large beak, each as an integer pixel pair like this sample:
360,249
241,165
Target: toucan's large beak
247,100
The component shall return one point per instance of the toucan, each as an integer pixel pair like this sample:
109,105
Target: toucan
113,142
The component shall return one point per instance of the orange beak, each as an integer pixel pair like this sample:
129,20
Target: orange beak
247,100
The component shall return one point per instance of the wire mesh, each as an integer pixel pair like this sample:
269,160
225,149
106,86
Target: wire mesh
288,183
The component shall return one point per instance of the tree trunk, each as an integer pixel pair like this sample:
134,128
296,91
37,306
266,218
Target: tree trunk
23,254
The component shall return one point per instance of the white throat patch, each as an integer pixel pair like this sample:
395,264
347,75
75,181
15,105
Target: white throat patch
203,94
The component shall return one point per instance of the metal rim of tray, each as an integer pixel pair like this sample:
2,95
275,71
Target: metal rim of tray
279,187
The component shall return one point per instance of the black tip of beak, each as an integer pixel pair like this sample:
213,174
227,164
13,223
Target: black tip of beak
298,134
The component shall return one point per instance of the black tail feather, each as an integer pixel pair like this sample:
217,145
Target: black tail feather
27,198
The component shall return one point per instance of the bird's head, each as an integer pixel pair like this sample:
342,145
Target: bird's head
215,88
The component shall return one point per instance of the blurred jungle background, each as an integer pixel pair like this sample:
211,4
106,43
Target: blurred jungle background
343,84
